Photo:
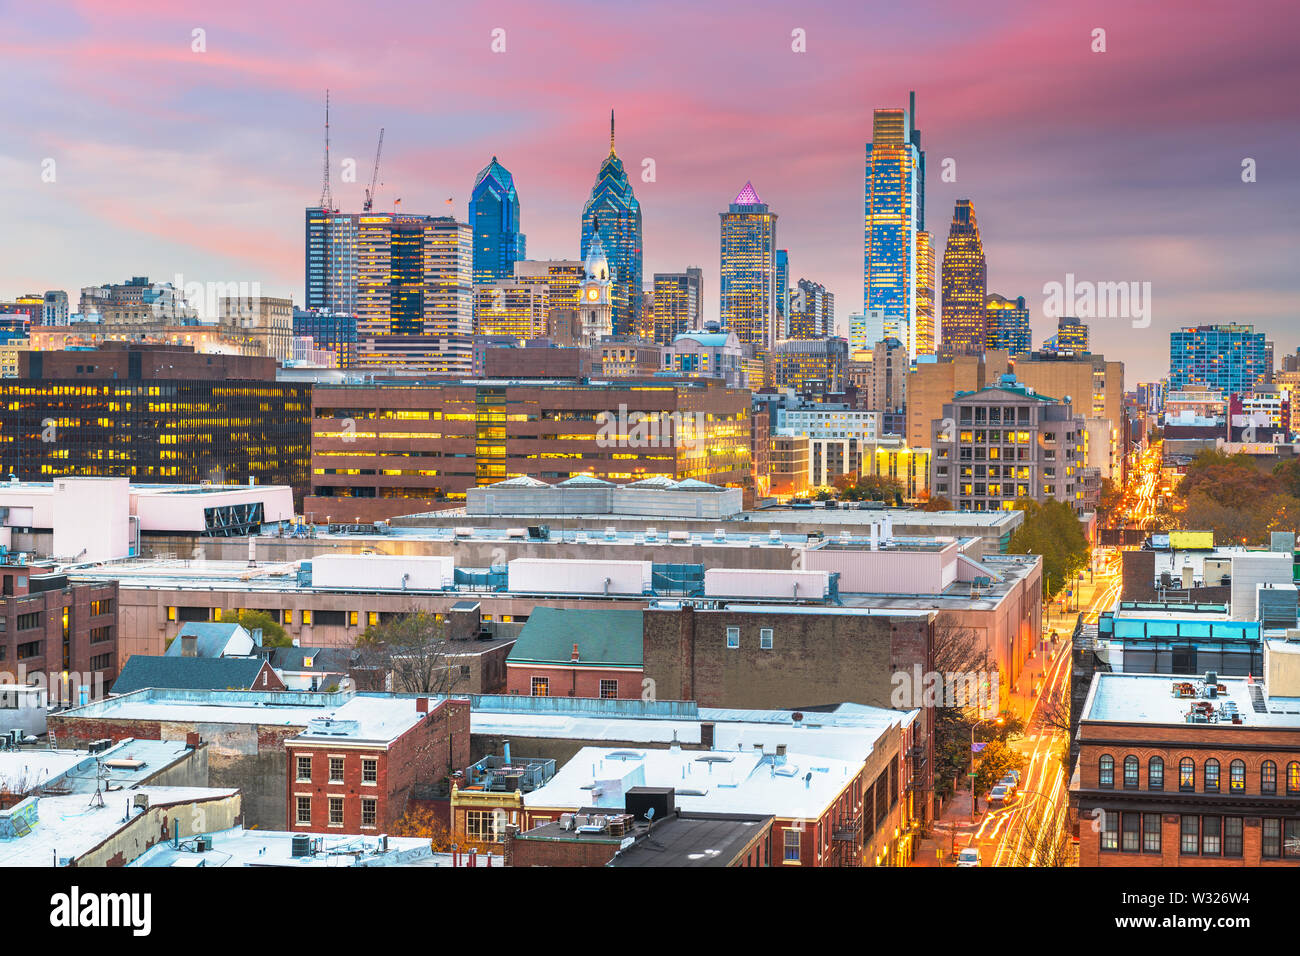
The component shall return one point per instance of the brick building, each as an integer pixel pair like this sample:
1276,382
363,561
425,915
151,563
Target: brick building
577,653
1186,772
57,631
355,772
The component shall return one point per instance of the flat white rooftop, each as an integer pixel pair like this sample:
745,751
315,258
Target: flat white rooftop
1148,698
716,781
240,847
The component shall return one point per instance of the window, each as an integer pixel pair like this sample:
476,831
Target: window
306,617
1132,829
1106,771
287,617
368,811
481,825
102,606
1272,839
1212,836
304,769
1237,776
1291,839
1150,833
31,649
27,622
608,689
369,770
792,845
1293,778
98,635
336,769
1191,835
733,637
1156,773
1110,831
765,639
1232,836
541,687
336,811
101,662
1211,776
1130,772
1268,777
1187,774
352,618
304,811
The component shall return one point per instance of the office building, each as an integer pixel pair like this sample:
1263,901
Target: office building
265,322
812,312
748,290
494,219
156,416
783,294
331,331
614,212
925,289
54,308
964,278
1005,443
508,307
811,365
1006,324
678,304
1229,358
893,215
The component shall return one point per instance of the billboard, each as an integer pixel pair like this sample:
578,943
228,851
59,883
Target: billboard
1191,540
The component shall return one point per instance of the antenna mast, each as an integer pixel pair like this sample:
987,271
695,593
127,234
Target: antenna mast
326,197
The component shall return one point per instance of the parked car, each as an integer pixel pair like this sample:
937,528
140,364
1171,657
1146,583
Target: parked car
1014,775
1010,781
970,856
999,794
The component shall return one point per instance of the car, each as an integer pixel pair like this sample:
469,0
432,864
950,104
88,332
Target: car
970,856
999,794
1014,776
1009,781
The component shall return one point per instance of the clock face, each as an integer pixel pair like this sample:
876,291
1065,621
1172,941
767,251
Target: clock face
591,294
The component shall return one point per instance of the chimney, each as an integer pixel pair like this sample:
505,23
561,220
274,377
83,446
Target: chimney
575,653
189,645
421,705
192,740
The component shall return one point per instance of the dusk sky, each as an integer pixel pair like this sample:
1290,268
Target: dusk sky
1122,166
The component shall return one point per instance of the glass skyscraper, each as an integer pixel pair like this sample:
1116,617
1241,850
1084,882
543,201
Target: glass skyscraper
748,287
494,217
1228,358
1007,324
615,211
964,284
782,293
893,213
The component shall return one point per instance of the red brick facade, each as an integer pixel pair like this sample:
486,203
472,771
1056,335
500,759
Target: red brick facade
574,681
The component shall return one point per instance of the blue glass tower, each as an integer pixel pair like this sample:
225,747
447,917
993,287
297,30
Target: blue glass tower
1228,358
616,213
783,293
892,217
494,217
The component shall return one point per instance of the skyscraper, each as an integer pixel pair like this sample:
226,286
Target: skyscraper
618,212
782,293
893,214
748,269
494,217
679,304
964,278
925,338
1007,324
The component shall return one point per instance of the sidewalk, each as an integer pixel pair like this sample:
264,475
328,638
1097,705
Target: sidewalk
956,815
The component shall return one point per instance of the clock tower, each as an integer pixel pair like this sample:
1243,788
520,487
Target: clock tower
595,304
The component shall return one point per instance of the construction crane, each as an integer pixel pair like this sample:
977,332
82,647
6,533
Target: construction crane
374,178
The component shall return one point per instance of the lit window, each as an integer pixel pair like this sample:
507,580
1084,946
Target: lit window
608,689
541,687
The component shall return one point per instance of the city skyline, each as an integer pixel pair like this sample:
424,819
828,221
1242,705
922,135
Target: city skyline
171,161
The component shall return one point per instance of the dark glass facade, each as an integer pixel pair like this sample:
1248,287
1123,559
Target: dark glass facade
494,217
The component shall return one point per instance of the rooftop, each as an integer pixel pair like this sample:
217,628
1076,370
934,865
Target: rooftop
240,847
608,637
210,673
796,786
1149,699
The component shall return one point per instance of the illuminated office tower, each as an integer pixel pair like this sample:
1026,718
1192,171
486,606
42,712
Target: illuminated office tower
893,214
964,278
494,217
865,331
618,212
748,269
812,311
679,304
511,307
782,293
925,338
1227,358
1006,324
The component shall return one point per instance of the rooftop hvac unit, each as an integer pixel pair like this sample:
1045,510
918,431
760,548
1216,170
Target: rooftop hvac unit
301,845
774,536
683,536
611,534
719,534
516,532
464,532
652,534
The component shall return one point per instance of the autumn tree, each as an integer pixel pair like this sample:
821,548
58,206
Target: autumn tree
414,649
1052,530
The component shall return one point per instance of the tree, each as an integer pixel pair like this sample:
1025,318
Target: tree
1052,530
273,635
1043,841
414,649
959,655
995,760
937,503
870,488
1112,495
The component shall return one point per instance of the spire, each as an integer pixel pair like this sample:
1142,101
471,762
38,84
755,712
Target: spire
611,131
326,197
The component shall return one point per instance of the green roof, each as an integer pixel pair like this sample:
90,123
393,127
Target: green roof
606,637
187,673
